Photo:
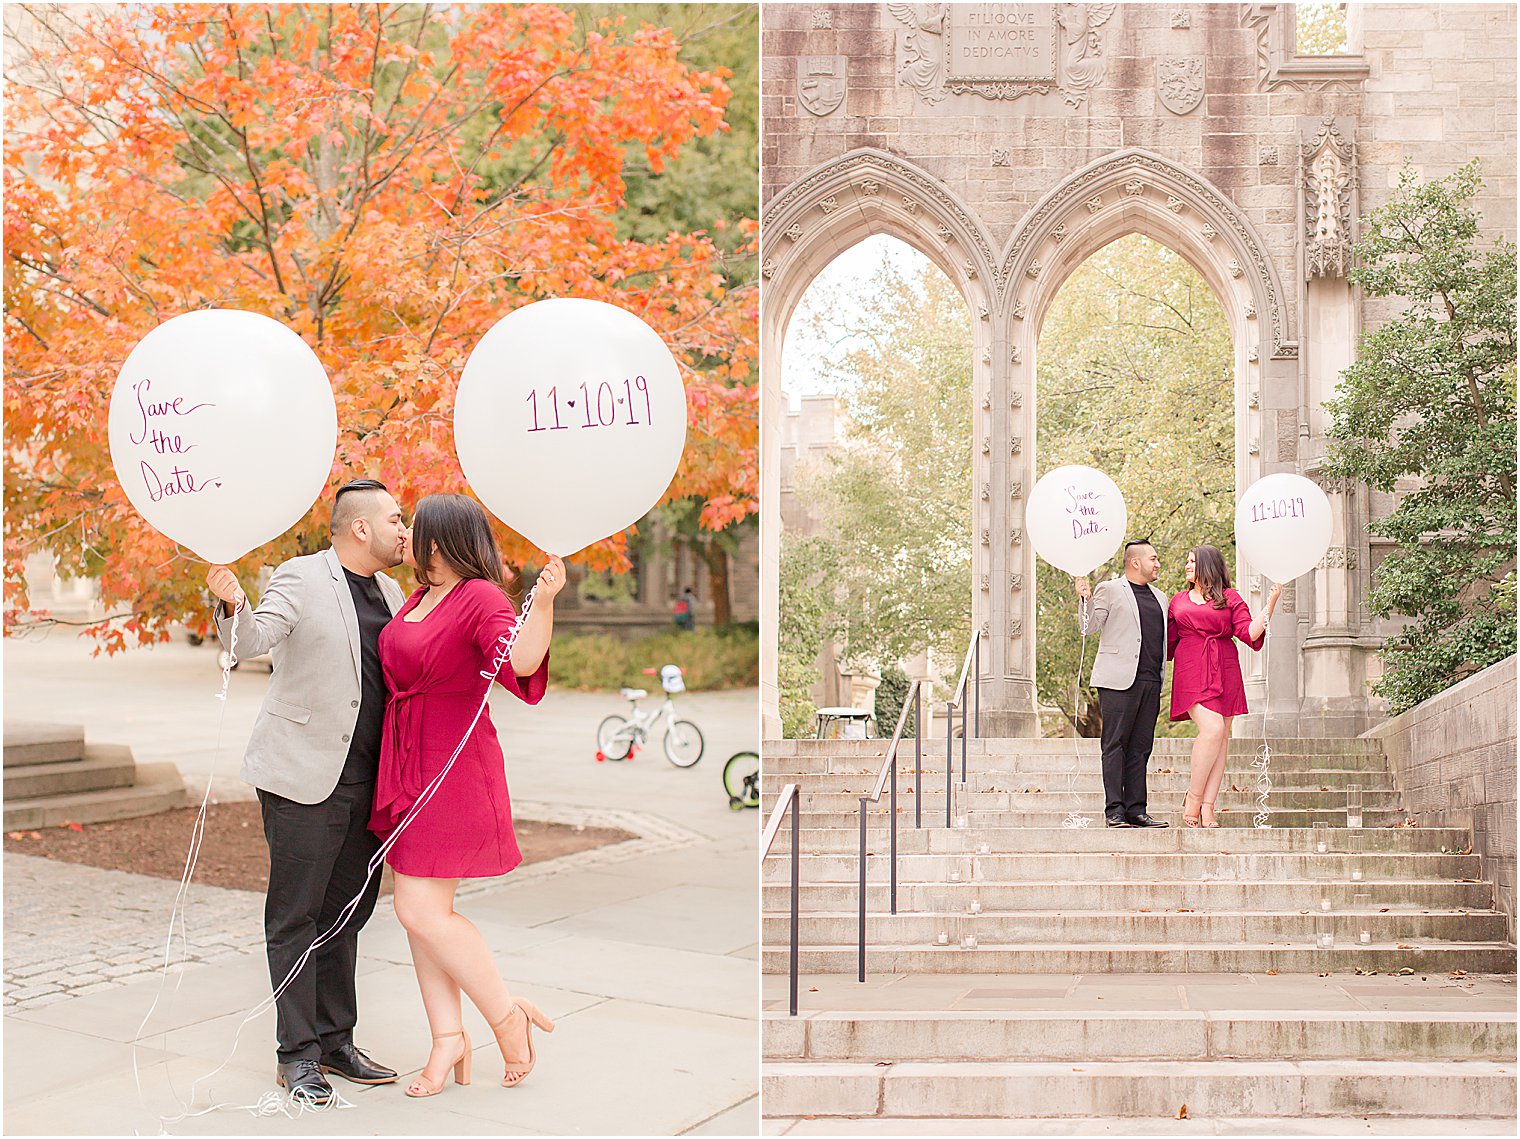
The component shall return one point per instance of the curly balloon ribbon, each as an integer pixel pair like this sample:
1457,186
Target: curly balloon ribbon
1263,760
1074,820
1263,763
276,1103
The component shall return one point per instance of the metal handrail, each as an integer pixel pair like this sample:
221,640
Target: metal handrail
972,667
889,770
789,799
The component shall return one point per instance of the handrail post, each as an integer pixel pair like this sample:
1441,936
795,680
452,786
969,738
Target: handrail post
976,678
918,757
963,739
893,807
949,754
796,885
863,801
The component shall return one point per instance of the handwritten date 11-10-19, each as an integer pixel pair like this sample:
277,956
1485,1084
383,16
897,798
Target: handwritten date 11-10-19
606,412
1277,508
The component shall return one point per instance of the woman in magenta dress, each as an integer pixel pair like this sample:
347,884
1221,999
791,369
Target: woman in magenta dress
1202,624
437,654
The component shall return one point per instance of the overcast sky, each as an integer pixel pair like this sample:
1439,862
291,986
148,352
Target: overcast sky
842,281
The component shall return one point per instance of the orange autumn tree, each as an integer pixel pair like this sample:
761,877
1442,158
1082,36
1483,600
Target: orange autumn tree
386,180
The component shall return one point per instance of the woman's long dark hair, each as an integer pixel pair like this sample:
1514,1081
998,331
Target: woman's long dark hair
1210,574
456,529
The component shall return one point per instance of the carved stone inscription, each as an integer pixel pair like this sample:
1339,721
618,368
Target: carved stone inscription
1002,42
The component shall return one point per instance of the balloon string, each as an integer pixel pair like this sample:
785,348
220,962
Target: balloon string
1074,819
1263,760
178,909
503,656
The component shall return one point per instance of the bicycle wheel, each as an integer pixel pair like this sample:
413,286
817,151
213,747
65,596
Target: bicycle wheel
614,737
741,778
683,743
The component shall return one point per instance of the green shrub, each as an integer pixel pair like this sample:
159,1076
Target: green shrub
711,660
794,681
890,695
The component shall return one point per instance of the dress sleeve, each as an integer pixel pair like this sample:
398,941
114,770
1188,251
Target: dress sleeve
1172,635
1240,619
492,620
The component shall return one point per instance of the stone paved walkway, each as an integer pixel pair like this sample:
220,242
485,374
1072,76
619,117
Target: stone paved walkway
645,952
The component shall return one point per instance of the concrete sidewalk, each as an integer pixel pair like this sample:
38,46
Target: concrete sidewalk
644,952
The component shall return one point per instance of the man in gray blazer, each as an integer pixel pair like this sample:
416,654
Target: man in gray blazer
1130,613
313,756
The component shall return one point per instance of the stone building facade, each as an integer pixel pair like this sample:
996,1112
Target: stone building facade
1009,142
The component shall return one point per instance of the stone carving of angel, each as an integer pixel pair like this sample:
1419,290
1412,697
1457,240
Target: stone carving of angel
924,47
1085,65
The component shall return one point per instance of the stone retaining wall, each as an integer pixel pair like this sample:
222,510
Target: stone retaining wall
1453,758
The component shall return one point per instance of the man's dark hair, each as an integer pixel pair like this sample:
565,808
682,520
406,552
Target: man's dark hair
1137,542
353,499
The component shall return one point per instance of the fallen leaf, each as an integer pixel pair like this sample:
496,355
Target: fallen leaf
1271,972
884,1063
1456,972
1183,910
74,826
1405,972
812,990
1182,1112
1401,945
14,835
1384,910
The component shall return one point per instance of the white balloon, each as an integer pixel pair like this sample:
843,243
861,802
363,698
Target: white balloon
222,430
1076,518
1282,526
570,421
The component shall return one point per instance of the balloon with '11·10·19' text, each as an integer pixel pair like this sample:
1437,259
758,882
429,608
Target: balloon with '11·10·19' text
570,421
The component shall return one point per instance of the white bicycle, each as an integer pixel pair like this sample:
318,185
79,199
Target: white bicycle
618,736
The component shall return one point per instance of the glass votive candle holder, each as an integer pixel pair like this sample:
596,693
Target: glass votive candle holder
1324,932
983,848
1362,904
1353,805
1321,833
943,938
1324,905
975,907
960,822
969,941
1354,847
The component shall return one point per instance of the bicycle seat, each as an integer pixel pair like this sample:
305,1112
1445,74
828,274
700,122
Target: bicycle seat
632,693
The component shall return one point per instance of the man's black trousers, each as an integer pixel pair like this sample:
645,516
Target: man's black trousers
318,857
1129,729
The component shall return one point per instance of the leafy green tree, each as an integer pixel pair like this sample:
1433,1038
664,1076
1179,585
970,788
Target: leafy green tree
1428,409
895,498
1320,28
806,620
1135,379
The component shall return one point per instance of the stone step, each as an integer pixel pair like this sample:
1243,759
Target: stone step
159,787
1171,927
31,742
1085,778
1079,1035
1429,958
1088,798
1052,810
936,838
1106,867
1001,746
1205,897
103,766
793,768
1139,1089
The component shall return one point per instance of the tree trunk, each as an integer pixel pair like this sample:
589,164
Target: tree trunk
717,581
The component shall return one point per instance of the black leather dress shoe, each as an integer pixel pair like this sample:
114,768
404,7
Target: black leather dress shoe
1144,820
1117,821
355,1067
304,1078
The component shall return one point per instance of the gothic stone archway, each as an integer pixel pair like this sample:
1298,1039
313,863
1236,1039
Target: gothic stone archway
1195,124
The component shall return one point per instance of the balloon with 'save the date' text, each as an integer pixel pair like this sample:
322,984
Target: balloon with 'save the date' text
1076,518
222,430
570,421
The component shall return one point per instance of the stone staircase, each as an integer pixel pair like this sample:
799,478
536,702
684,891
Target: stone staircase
1119,974
53,777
